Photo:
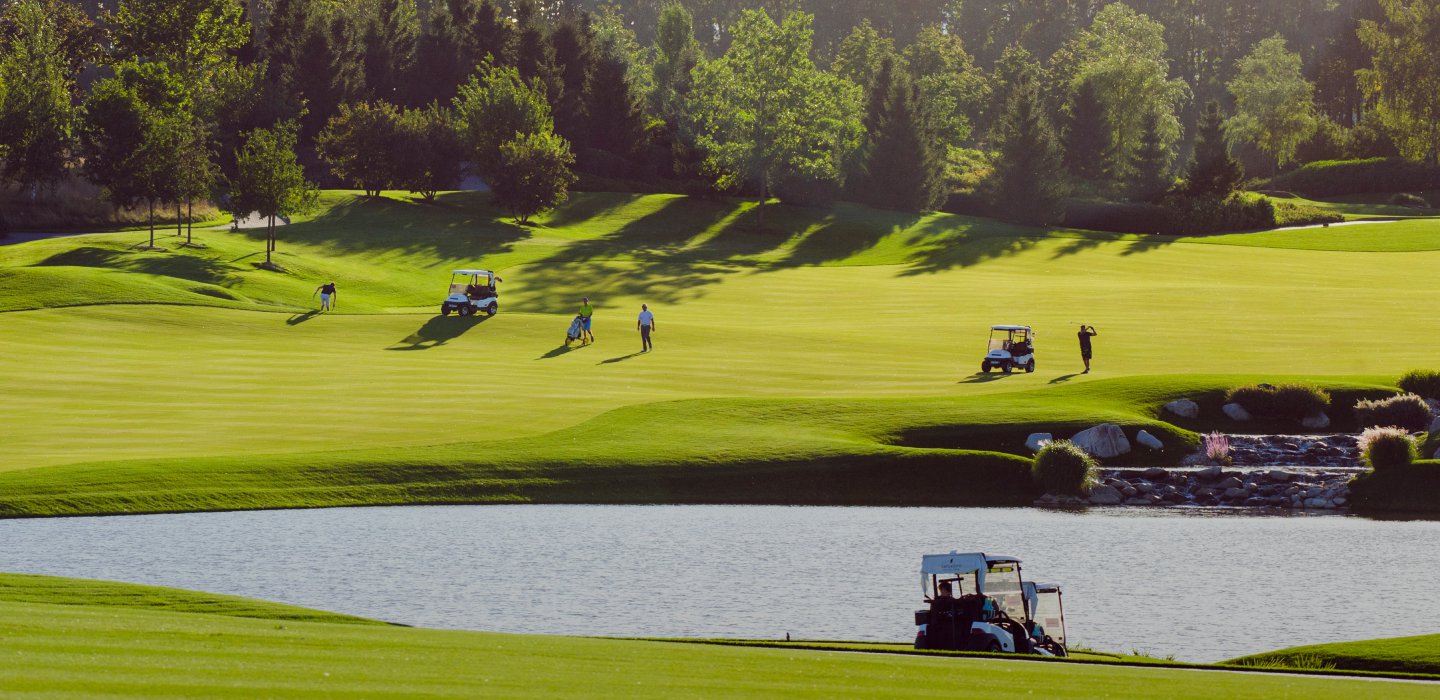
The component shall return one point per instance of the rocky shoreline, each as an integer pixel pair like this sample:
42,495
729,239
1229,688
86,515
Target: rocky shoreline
1282,472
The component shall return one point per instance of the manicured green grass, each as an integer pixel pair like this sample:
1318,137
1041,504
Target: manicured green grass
65,645
844,339
1399,655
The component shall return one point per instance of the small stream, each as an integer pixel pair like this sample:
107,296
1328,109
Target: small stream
1195,583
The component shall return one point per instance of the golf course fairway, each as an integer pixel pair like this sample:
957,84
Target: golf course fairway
840,343
63,637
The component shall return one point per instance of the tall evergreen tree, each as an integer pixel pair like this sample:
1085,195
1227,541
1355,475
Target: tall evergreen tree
676,54
442,60
904,169
1150,171
1028,182
617,114
1087,136
534,56
1213,172
572,46
390,44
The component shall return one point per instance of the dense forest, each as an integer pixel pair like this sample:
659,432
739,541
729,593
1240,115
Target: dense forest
1003,106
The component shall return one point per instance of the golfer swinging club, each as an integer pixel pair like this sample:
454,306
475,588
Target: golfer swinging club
1085,334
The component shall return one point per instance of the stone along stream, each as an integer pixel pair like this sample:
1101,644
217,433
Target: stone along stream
1201,584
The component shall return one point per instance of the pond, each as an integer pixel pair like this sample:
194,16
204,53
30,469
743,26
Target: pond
1183,582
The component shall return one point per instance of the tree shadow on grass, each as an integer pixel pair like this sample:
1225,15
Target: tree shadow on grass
298,319
189,267
439,330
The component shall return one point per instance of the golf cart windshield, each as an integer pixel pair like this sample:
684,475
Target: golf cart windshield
1002,582
1005,337
1049,613
462,280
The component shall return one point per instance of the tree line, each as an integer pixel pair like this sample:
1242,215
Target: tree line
893,104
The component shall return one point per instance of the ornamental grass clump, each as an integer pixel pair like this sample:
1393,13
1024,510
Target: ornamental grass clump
1061,467
1421,382
1217,448
1387,448
1293,402
1406,411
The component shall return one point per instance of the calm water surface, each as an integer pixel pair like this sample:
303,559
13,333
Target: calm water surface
1202,588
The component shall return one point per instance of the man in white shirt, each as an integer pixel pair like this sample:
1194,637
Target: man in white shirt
646,324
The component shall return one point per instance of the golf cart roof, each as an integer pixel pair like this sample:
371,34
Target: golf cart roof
1009,328
1045,587
956,563
473,272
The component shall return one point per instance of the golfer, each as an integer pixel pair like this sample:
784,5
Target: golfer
646,324
1085,334
586,313
326,292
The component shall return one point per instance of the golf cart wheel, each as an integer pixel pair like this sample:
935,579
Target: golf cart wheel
1030,366
985,367
467,310
1008,367
491,309
444,311
994,647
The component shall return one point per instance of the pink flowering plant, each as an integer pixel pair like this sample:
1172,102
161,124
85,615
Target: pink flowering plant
1217,448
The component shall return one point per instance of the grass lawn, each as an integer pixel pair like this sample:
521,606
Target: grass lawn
81,639
1402,654
843,339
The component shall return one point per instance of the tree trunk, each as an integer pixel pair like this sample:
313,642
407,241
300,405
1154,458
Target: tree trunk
764,193
179,223
189,220
269,239
151,202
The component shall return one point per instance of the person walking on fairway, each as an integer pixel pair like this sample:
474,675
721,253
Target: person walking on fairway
326,292
646,324
1086,333
586,312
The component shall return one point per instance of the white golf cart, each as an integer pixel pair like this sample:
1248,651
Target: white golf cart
986,610
472,291
1011,347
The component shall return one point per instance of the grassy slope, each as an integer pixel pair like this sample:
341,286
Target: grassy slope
1402,654
828,335
63,644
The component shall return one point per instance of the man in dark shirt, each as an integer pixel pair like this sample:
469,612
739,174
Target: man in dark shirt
326,292
1086,333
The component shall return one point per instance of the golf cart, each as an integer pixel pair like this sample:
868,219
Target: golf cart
986,611
1010,347
471,291
1047,617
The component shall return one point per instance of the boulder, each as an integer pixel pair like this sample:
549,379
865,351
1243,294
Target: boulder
1150,441
1279,475
1435,425
1256,501
1437,453
1236,412
1229,483
1103,441
1316,421
1237,493
1129,492
1339,501
1209,473
1185,408
1103,495
1038,440
1154,473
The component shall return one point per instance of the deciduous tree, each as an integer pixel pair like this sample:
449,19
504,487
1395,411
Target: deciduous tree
534,175
360,143
1274,106
494,107
1405,79
36,115
764,110
270,180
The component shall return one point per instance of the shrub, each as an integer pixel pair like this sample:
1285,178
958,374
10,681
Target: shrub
1063,468
1406,411
1405,199
1327,178
1283,402
1292,214
1387,448
1238,212
1119,218
1423,382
